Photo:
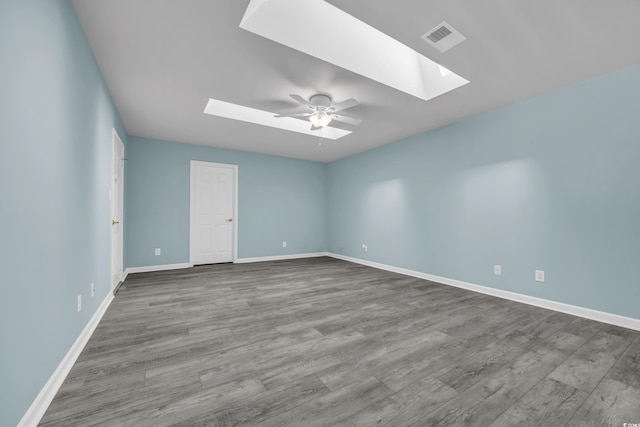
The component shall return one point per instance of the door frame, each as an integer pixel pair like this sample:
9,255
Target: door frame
192,209
116,193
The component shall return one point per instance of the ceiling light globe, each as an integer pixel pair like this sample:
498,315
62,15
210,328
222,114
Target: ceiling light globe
320,120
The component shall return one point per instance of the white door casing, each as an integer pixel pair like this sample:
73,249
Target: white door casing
116,196
213,207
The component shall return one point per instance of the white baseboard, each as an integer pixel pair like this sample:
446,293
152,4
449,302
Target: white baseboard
164,267
149,268
281,257
39,406
600,316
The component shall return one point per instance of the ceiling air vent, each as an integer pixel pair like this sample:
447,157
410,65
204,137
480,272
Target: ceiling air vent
443,37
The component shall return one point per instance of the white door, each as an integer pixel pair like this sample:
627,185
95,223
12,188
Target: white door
213,220
117,196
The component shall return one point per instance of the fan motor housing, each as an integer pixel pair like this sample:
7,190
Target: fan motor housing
320,101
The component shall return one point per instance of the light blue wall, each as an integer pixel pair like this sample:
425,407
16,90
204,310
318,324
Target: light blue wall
56,117
551,183
278,199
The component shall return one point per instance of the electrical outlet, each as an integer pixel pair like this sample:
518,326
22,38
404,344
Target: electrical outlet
497,270
158,251
539,276
284,243
93,290
364,248
79,303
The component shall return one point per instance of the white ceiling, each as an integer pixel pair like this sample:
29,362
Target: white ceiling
164,59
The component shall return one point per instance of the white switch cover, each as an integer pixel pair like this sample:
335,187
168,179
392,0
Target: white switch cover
158,251
93,290
79,303
284,243
364,248
497,270
539,276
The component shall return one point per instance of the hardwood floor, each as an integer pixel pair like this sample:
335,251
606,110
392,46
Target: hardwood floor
323,342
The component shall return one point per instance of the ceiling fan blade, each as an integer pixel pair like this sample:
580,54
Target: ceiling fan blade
293,115
344,105
346,119
300,100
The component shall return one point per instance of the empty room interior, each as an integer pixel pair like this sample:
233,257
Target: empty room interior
320,213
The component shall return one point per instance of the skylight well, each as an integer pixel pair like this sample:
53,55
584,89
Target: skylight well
348,43
215,107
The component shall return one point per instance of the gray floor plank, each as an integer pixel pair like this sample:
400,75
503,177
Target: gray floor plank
611,404
550,403
627,368
404,407
591,362
334,406
251,411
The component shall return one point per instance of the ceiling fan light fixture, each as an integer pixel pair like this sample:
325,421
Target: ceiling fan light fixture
320,119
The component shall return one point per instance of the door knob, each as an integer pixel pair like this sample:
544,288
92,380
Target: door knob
229,219
114,222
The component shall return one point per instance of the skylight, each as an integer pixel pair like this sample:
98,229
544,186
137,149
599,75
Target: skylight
215,107
320,29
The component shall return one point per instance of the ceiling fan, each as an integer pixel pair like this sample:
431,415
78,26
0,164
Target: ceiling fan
323,111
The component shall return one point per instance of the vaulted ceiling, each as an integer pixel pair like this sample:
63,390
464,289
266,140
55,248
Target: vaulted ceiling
163,59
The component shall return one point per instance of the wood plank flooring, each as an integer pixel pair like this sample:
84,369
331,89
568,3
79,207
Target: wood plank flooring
323,342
